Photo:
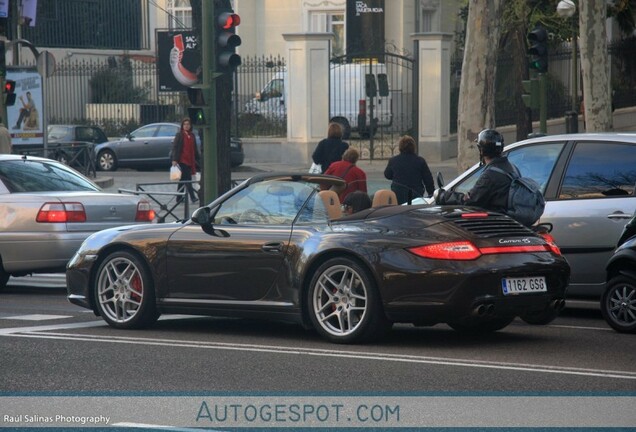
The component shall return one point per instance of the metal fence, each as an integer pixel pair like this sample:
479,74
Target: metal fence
119,93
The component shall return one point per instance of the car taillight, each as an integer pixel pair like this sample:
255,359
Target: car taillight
462,250
144,212
551,243
61,213
465,250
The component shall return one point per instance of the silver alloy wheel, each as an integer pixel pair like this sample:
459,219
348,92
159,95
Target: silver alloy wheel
621,305
106,161
120,289
340,300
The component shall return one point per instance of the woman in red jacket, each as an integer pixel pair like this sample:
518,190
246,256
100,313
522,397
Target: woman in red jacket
346,168
186,154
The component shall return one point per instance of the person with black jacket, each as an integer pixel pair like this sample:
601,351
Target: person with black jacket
330,149
409,172
492,187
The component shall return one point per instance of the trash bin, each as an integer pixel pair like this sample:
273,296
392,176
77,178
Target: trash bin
571,122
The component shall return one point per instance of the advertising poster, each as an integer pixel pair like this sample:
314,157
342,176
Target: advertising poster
365,26
24,119
178,60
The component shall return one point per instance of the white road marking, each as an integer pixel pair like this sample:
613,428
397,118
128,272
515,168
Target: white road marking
36,317
161,427
35,332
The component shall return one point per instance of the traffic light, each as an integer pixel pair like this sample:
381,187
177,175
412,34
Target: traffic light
9,91
538,51
225,37
530,94
199,111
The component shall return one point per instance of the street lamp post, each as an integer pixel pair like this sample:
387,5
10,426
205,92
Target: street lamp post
567,9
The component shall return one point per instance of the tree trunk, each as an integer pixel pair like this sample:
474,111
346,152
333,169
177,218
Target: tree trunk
476,109
595,66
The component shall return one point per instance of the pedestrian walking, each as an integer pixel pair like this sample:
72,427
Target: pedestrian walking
5,139
409,172
354,176
186,155
330,149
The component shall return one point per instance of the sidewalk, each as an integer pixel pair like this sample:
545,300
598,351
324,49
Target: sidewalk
374,170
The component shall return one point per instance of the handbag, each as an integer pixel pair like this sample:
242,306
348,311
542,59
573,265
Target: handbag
315,168
175,173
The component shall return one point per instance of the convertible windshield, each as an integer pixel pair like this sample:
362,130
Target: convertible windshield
41,176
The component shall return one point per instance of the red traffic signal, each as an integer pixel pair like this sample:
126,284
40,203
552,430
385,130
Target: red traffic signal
9,86
9,90
227,40
228,20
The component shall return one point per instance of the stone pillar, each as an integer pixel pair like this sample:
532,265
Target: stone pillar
433,52
307,99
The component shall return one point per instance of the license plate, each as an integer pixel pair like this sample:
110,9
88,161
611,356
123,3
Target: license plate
524,285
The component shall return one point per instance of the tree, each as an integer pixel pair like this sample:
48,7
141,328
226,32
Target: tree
477,88
595,65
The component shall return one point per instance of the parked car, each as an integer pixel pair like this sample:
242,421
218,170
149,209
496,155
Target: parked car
618,302
589,184
74,145
149,147
276,246
47,210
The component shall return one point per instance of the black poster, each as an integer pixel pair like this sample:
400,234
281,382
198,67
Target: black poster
178,60
365,26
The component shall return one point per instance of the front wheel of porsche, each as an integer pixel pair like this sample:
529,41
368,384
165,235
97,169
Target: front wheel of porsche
344,303
124,292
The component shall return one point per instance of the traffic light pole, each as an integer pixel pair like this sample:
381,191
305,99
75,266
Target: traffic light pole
210,160
543,103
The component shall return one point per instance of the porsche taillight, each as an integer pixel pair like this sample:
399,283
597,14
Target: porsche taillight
61,212
144,212
551,243
466,251
461,250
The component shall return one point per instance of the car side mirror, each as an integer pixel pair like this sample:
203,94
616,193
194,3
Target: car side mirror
130,137
201,216
440,180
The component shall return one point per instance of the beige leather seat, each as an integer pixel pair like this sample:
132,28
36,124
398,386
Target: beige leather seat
384,197
332,203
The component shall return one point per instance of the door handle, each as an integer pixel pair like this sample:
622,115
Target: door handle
619,215
272,247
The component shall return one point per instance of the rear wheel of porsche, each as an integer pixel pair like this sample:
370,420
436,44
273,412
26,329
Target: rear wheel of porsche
344,303
124,293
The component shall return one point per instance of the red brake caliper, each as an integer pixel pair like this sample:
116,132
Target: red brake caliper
136,284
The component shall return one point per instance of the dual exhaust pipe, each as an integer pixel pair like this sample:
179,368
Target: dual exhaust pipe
557,304
485,309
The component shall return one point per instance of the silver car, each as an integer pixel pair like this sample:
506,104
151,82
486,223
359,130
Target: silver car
589,184
47,210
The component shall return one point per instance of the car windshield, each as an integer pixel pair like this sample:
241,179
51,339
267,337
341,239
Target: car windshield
272,202
41,176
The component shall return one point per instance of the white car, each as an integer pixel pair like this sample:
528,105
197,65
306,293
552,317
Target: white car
589,184
48,209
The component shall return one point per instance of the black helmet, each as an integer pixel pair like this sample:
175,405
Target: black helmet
490,142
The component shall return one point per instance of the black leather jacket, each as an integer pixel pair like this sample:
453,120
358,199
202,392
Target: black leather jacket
491,190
